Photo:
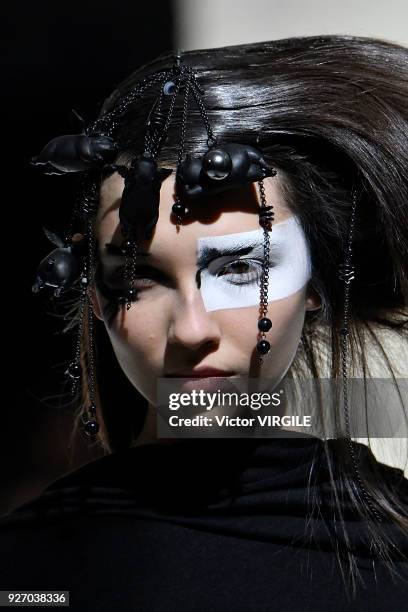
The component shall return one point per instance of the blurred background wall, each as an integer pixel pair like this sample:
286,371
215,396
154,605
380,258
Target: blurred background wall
55,57
215,23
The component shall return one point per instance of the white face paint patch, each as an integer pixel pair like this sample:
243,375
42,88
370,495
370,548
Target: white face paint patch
231,265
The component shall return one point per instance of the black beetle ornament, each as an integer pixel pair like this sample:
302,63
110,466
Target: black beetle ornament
61,267
225,167
139,208
75,153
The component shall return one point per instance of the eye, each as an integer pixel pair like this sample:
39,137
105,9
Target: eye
242,271
112,285
145,277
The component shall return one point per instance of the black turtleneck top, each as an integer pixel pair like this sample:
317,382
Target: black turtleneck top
201,525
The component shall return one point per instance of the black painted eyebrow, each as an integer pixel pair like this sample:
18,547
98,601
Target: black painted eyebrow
209,253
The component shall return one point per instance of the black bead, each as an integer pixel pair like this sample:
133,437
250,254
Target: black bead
84,281
344,331
178,209
131,293
74,370
91,428
264,324
263,347
128,246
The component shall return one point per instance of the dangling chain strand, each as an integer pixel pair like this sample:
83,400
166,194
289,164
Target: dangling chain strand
91,426
86,209
168,118
178,208
211,139
266,216
109,120
346,274
152,145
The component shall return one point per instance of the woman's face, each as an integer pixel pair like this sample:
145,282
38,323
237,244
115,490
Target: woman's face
179,324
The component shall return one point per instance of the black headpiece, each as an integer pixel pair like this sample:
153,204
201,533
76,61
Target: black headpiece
93,152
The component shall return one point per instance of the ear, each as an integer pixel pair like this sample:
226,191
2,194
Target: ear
96,307
313,300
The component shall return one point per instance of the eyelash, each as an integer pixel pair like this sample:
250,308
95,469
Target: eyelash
247,278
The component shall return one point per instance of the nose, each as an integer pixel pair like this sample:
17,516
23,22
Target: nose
191,326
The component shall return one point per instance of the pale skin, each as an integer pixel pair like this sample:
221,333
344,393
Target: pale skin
168,329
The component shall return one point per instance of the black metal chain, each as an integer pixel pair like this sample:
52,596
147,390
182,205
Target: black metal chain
91,274
85,207
183,130
155,122
346,274
130,270
74,368
166,126
91,358
91,426
184,119
153,143
211,139
109,121
265,220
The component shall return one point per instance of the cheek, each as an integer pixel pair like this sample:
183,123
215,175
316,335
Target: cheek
240,327
138,338
287,318
140,330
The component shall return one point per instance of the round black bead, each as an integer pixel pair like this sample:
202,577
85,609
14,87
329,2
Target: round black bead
263,347
178,209
344,331
130,293
84,281
264,324
128,245
74,370
217,164
91,428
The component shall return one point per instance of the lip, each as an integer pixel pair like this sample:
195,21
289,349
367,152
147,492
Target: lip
203,372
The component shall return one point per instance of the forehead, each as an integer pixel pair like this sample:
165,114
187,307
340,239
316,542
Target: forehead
230,212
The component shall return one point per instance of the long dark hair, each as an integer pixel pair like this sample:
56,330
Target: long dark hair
330,112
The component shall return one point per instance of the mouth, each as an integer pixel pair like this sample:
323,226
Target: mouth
204,372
